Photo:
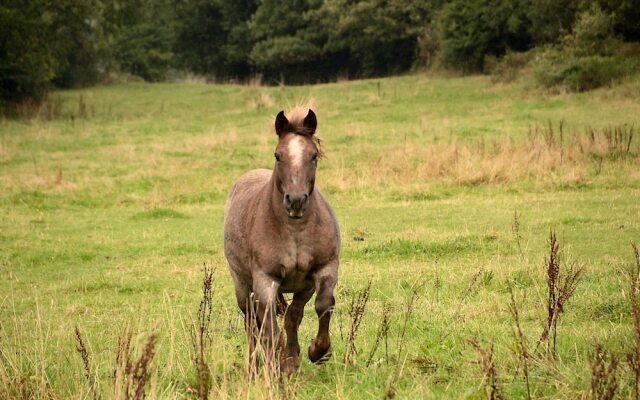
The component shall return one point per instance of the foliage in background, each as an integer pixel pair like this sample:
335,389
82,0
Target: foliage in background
40,41
550,20
589,57
77,37
143,36
472,30
213,37
284,42
379,37
582,44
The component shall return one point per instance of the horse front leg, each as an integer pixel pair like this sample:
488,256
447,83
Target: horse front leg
325,281
265,290
290,361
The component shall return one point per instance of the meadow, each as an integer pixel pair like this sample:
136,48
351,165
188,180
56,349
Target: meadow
446,189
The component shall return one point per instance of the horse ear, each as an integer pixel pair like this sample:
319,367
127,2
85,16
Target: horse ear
310,122
282,123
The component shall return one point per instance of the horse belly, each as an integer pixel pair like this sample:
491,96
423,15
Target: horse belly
296,282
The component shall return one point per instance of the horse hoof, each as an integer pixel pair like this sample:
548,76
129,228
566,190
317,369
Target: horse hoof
289,366
319,353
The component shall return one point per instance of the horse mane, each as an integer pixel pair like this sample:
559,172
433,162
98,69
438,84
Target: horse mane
297,115
296,118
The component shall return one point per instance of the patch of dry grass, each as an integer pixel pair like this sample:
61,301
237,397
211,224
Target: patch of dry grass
543,157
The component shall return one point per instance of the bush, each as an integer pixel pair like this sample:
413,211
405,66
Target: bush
592,72
557,68
587,58
592,33
507,68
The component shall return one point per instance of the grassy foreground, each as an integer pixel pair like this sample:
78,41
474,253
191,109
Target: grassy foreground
446,190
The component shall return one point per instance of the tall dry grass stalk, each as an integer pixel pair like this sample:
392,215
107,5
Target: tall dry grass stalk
89,374
463,298
254,81
395,376
522,348
259,353
132,376
383,333
259,99
251,329
7,372
24,361
193,79
408,312
604,381
515,228
47,108
437,283
392,382
356,313
490,377
561,287
634,356
201,335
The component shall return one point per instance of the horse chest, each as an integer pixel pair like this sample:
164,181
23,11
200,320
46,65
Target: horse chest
296,259
294,271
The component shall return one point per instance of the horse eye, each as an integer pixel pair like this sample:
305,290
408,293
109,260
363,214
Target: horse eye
314,157
277,156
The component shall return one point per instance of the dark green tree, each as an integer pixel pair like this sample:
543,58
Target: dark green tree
470,30
141,35
27,62
78,35
236,15
283,37
213,37
200,37
42,40
379,36
626,17
551,20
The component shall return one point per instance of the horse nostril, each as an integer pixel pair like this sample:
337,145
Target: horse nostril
295,201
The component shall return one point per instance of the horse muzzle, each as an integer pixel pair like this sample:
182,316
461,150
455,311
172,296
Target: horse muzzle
296,204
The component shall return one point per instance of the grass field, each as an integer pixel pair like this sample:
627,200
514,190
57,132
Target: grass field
446,191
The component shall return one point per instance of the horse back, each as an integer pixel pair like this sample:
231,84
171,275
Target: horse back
245,188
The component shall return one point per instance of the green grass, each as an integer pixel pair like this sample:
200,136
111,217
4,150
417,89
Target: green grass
107,215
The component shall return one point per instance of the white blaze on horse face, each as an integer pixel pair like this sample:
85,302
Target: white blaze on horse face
295,148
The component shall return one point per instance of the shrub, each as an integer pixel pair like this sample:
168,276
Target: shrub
592,72
591,32
507,68
556,68
587,58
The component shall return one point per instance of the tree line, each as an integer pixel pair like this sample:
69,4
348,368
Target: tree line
70,43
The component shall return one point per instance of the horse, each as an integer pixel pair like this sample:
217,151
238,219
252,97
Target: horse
282,236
